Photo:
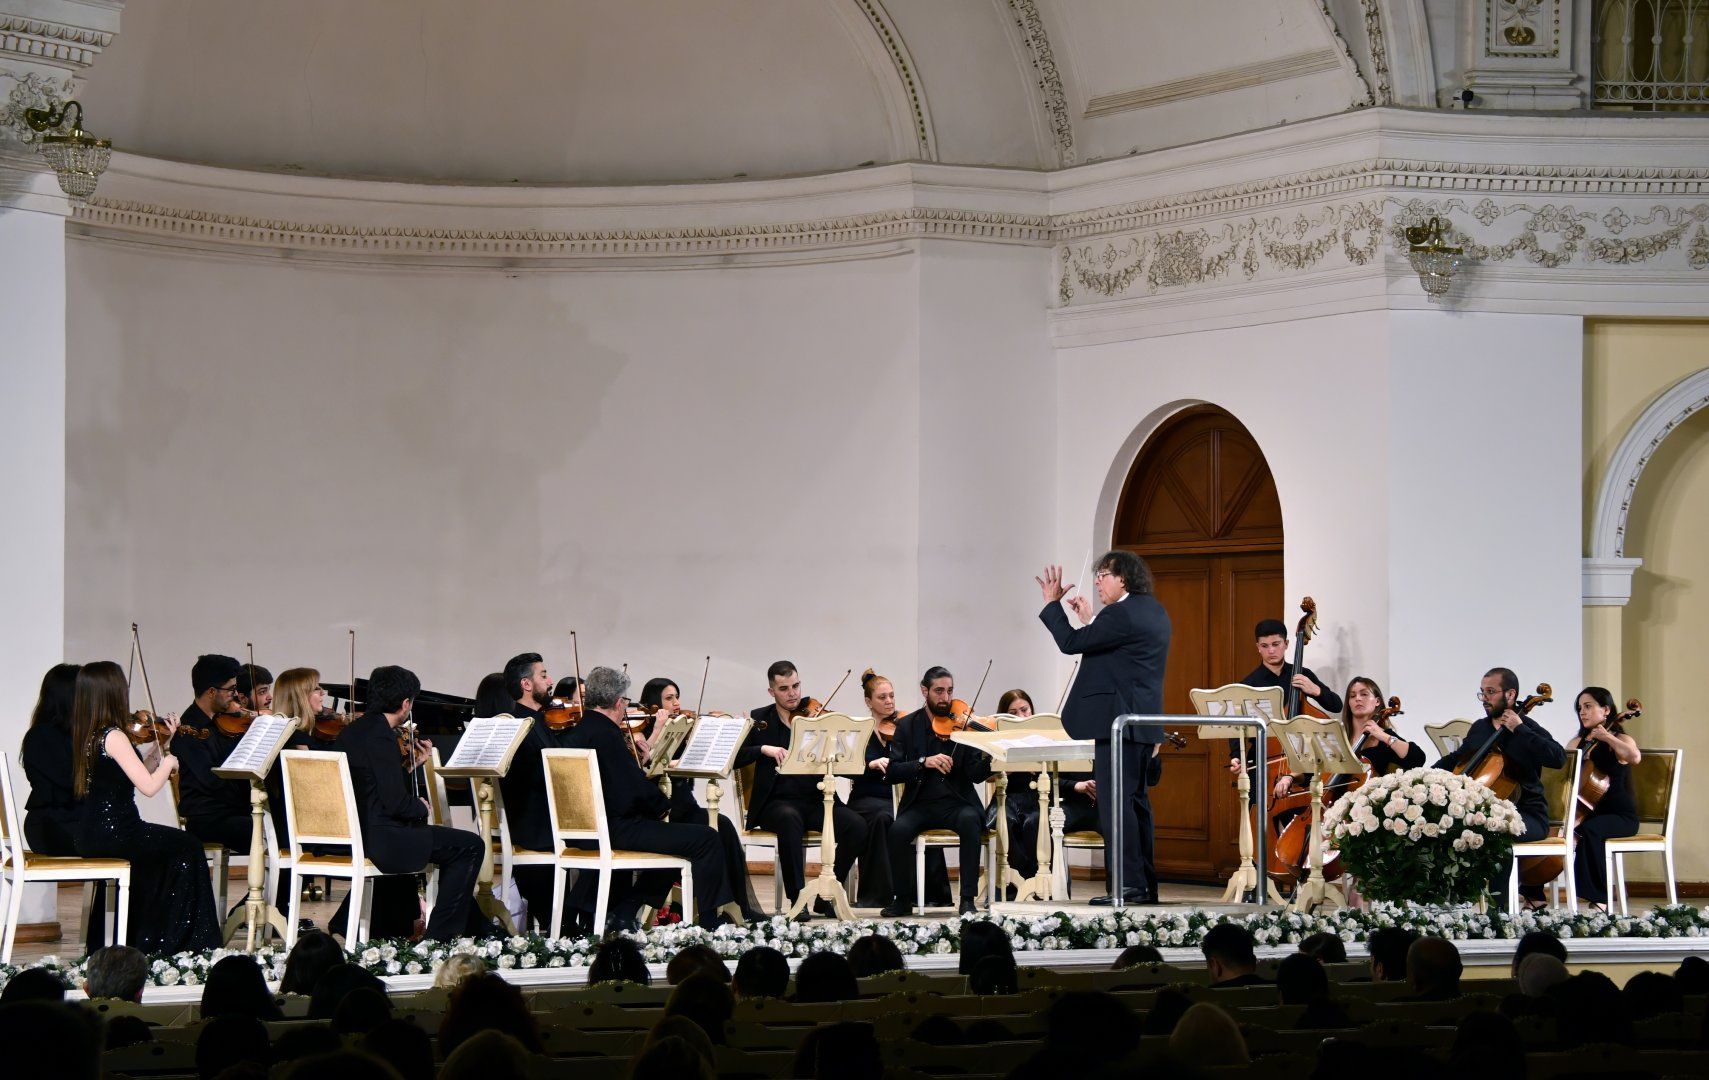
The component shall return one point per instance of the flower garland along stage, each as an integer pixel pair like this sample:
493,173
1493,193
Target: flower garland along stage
1059,933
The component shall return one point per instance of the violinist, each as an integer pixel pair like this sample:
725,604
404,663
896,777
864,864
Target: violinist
569,689
635,809
1613,753
662,698
1124,650
491,698
1274,670
395,822
1370,732
1021,806
1528,748
871,796
172,898
254,692
791,806
938,775
527,688
215,809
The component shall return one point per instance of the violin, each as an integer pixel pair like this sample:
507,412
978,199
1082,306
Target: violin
1593,784
327,724
235,723
1489,765
960,718
143,727
562,714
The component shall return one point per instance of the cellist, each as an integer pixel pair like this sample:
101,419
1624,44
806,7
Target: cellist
1274,670
1613,753
1528,748
1372,733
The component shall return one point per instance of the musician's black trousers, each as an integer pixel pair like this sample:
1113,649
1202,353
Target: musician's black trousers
699,844
792,820
1590,870
1139,869
967,821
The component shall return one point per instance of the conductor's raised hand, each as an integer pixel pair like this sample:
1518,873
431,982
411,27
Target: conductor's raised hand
1081,607
1051,584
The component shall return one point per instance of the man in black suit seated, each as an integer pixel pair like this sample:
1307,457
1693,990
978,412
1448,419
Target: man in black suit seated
1270,637
1229,958
394,820
1528,748
529,687
1123,651
938,777
635,809
791,806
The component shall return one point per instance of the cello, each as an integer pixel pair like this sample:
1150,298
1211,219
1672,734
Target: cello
1592,786
1290,844
1488,766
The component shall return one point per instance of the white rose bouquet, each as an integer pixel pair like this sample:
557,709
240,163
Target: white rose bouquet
1425,835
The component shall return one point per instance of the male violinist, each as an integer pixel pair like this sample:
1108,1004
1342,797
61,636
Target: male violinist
1124,650
215,809
635,809
523,788
790,806
1274,670
1528,748
937,775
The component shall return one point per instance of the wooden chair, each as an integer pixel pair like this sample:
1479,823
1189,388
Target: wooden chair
1447,737
320,810
762,837
1655,785
942,838
575,803
219,859
1561,787
19,867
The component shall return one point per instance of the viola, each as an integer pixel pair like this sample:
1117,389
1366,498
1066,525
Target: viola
1488,766
1592,786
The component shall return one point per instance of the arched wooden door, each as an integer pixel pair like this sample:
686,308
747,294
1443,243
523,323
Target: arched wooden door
1200,506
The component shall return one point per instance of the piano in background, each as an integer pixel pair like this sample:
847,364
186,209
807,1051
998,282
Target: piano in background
439,718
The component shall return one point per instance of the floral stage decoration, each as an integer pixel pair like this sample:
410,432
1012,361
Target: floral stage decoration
1059,932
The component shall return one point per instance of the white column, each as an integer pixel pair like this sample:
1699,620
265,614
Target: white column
32,445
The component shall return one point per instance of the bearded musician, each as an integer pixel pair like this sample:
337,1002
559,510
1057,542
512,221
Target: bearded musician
790,806
528,686
937,775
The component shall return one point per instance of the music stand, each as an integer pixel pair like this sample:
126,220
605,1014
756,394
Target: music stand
1240,699
709,753
251,759
1037,745
1317,746
483,755
827,746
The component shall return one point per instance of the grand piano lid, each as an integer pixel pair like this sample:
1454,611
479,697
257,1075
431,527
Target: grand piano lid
433,711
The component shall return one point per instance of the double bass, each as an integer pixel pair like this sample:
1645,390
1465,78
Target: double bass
1592,786
1276,762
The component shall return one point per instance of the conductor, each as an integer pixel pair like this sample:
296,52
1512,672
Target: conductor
1123,651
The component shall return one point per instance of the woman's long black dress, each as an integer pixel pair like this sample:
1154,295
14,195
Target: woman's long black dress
172,896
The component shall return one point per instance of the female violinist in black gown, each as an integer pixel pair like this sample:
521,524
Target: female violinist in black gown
172,897
873,798
1613,752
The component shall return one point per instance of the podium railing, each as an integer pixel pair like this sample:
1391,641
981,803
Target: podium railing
1118,730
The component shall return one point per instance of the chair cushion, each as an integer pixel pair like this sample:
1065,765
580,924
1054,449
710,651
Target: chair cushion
32,861
1641,838
1083,838
619,855
310,860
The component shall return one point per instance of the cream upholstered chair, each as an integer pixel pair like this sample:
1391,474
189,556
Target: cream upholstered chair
944,838
1655,785
19,867
1561,788
320,811
575,802
761,837
1447,737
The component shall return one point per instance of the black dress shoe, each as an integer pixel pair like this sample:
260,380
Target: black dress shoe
1129,896
968,907
825,908
895,911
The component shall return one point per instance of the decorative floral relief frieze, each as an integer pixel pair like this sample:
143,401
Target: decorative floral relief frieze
1552,236
30,91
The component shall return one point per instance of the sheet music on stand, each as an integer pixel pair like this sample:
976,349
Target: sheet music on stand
252,757
668,737
487,746
712,747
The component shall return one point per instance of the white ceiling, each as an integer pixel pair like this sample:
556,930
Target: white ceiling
625,91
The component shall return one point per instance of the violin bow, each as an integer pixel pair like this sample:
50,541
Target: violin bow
350,702
1067,685
826,704
700,702
980,689
142,663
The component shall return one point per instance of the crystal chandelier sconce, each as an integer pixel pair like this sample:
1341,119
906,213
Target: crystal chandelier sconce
1432,259
78,158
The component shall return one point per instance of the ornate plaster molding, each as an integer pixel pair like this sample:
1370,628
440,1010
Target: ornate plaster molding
1344,58
1383,91
1620,480
206,227
903,64
46,41
1055,98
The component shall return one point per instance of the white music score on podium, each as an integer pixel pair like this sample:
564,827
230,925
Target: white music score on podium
252,759
483,755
